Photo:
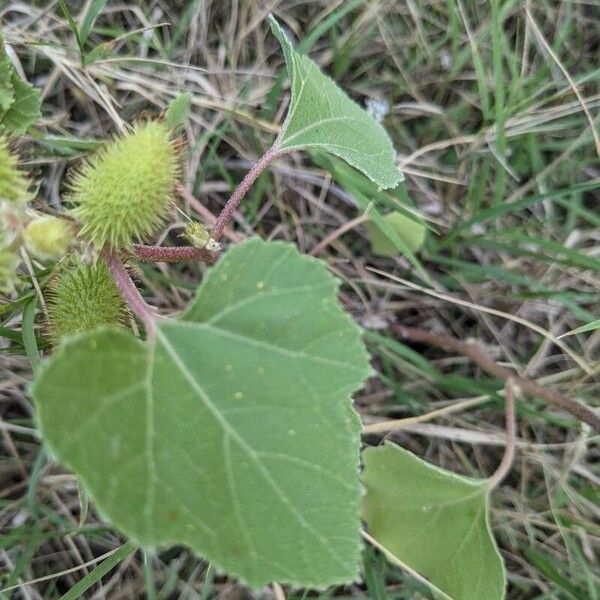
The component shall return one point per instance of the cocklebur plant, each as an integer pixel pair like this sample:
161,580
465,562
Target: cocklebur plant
14,187
230,428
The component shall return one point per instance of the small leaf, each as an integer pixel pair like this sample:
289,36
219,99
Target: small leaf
24,110
435,522
177,112
231,431
369,198
410,231
321,115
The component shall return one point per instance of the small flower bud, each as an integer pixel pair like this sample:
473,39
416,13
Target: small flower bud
196,234
48,238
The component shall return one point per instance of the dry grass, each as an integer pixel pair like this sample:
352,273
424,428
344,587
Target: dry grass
484,151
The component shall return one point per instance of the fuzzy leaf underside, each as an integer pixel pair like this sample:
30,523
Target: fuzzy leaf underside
232,431
433,521
322,116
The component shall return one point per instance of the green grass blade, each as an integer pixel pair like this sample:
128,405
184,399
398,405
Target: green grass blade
28,333
100,571
584,328
72,24
90,18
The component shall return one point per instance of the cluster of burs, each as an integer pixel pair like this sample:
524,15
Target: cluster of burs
119,195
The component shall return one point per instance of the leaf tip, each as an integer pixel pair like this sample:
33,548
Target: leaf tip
279,32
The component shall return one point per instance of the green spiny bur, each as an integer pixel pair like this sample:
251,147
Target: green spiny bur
123,192
13,184
82,298
9,262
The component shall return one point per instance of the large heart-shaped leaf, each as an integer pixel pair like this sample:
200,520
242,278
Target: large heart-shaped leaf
321,115
232,431
433,521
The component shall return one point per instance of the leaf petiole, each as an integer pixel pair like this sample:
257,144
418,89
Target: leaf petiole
275,151
174,254
130,292
511,434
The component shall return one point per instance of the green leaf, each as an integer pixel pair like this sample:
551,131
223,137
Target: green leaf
177,111
7,92
583,329
368,198
72,24
410,231
94,576
319,30
91,15
231,431
433,521
24,110
321,115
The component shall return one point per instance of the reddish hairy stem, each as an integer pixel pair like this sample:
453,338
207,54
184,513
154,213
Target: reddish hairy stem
174,254
242,189
129,291
479,355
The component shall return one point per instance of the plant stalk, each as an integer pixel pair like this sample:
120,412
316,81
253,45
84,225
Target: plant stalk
174,254
479,355
511,438
242,189
129,291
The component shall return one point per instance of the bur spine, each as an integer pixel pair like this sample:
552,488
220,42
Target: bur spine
122,194
9,261
81,298
13,183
